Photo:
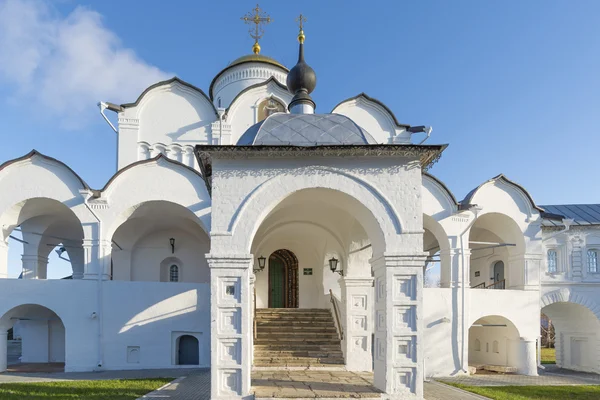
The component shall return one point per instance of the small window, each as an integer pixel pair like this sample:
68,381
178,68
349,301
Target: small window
495,347
174,273
592,261
477,345
552,261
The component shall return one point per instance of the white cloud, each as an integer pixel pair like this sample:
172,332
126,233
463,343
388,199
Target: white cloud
67,64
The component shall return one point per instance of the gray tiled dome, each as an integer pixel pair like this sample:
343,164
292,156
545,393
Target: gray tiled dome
305,130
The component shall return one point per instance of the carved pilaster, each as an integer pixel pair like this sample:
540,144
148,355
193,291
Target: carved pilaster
231,325
399,324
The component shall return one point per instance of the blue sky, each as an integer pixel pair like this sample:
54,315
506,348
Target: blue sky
512,86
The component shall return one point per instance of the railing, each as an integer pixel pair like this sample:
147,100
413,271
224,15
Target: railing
336,311
497,285
480,286
254,316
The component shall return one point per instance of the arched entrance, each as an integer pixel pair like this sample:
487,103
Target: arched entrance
39,336
576,330
188,350
494,345
283,280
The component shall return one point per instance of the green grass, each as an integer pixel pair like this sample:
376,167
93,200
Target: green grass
119,389
534,392
548,356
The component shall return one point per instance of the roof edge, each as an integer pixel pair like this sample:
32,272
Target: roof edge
502,177
168,82
376,101
439,182
33,153
146,161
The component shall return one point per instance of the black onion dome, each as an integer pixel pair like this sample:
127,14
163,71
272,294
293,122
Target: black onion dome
302,76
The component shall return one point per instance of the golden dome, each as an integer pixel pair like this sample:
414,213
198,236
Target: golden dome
256,58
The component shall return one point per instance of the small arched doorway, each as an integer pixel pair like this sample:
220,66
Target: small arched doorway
188,350
283,280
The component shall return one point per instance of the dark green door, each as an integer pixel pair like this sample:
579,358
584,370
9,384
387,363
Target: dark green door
276,283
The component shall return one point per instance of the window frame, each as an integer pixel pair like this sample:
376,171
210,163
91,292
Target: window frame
556,260
177,268
597,252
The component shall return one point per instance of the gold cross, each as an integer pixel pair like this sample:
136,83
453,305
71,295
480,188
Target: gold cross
301,20
258,18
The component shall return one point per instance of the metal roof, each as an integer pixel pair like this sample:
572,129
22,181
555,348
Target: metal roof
582,214
305,130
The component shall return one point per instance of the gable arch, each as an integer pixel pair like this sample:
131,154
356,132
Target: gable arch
566,295
41,177
498,193
438,200
370,207
137,184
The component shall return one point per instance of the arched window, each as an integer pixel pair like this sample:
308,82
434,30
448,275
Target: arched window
552,261
269,106
495,347
477,345
592,261
174,273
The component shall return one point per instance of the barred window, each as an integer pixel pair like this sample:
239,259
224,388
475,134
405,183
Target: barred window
174,273
552,261
592,259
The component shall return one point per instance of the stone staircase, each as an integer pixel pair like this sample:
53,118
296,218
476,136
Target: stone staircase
300,338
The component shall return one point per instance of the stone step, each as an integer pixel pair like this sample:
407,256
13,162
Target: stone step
297,353
297,333
292,310
290,340
297,347
297,336
292,317
295,325
297,363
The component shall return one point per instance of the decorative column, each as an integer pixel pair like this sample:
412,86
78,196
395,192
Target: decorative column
399,324
527,353
576,258
231,325
357,295
252,309
34,266
3,259
128,141
97,254
3,350
77,257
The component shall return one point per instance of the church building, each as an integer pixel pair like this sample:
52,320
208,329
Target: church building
244,230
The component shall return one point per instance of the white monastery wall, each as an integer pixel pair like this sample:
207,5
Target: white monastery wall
148,317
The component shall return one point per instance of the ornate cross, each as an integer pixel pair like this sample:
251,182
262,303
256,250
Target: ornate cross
301,20
257,17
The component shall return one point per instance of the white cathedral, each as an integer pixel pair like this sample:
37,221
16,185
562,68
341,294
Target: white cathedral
241,224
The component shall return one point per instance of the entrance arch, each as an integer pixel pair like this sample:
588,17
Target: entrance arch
576,329
494,341
188,350
42,334
283,280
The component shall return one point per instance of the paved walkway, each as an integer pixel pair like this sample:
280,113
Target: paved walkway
553,377
313,384
10,377
195,386
433,390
